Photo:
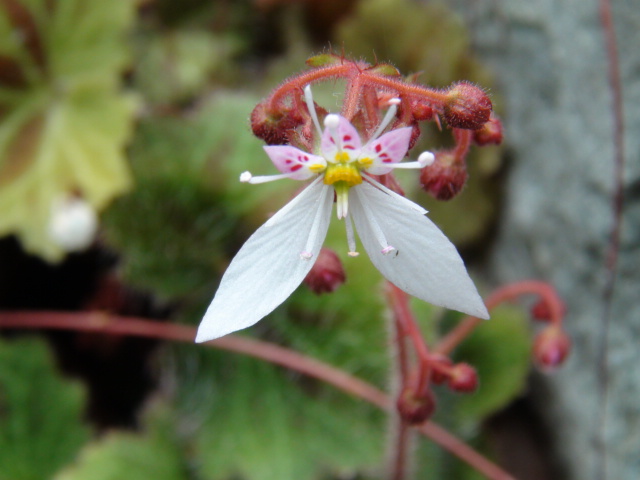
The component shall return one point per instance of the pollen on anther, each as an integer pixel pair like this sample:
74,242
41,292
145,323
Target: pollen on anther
353,254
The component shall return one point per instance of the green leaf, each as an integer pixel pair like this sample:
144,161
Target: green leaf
261,423
500,349
41,414
127,456
63,131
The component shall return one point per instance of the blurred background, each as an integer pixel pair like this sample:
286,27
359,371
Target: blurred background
123,129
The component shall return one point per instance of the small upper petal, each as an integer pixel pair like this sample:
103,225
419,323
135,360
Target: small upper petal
388,149
299,165
271,264
344,137
423,262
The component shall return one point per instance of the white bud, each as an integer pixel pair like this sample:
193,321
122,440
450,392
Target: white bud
73,224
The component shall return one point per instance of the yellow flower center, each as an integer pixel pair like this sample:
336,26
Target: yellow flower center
340,172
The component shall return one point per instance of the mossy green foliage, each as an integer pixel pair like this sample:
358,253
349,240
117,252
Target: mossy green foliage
154,454
224,416
41,413
64,119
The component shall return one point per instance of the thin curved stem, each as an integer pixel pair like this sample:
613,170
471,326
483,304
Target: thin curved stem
103,323
508,292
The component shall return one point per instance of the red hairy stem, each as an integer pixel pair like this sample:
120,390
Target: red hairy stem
433,97
298,82
102,323
463,142
399,302
545,291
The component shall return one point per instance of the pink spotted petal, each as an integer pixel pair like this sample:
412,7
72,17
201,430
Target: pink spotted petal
293,161
348,139
388,149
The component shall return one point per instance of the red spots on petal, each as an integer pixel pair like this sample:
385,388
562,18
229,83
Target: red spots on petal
306,159
386,160
378,148
349,147
288,161
295,168
346,138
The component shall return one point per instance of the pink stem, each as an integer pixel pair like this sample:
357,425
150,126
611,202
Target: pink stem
546,292
97,322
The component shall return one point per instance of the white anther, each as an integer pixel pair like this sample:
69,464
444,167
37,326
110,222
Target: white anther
245,177
426,158
306,255
353,254
332,121
387,250
394,101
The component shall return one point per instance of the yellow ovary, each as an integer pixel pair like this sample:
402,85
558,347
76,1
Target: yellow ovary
348,174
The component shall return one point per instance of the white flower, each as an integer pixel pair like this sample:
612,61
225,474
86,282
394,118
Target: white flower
407,248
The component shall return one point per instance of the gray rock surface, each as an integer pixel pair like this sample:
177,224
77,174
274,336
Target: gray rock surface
550,61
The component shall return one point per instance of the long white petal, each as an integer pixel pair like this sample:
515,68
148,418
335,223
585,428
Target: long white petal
425,263
269,266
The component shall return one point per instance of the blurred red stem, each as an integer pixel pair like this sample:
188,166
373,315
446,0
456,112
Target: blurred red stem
527,287
103,323
399,302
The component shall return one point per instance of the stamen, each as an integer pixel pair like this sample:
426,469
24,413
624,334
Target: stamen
426,158
373,223
331,122
393,108
308,96
246,177
388,191
351,239
387,250
315,226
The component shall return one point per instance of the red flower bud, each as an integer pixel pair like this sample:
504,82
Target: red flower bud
551,347
421,112
445,177
273,129
438,376
490,133
463,378
415,409
540,311
467,106
326,274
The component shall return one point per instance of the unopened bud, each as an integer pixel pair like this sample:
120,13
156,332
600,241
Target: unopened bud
445,177
326,274
415,409
467,106
273,129
439,376
421,111
551,347
463,378
490,133
540,310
